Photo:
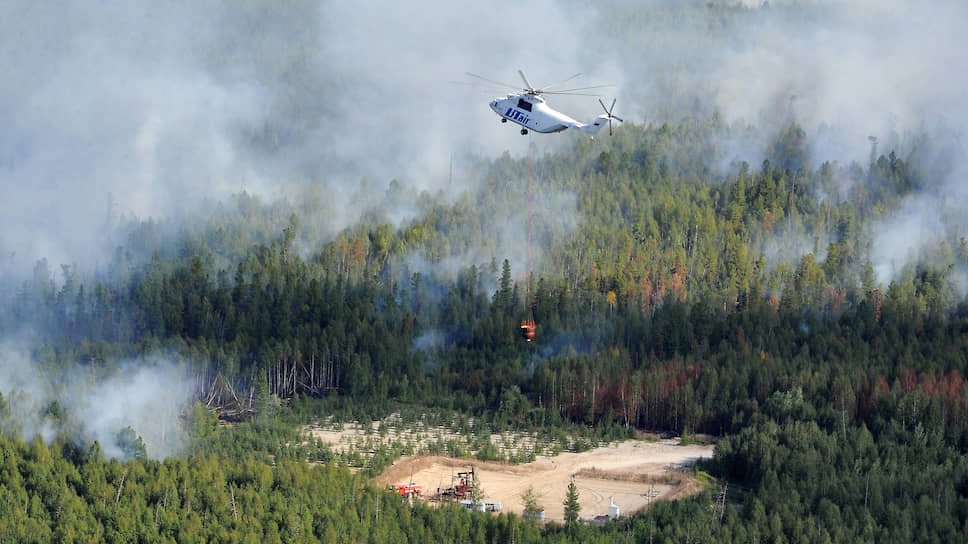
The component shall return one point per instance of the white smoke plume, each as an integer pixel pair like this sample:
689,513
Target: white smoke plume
146,395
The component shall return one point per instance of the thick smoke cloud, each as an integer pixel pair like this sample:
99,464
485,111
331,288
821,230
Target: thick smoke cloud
146,109
861,68
147,396
109,112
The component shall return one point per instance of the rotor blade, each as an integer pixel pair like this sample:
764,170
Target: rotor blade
613,106
603,105
491,88
504,85
527,83
475,84
582,88
609,126
567,93
617,118
562,82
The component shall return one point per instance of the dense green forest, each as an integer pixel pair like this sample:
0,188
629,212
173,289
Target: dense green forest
840,401
674,288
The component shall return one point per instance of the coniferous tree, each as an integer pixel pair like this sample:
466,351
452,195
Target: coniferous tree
572,508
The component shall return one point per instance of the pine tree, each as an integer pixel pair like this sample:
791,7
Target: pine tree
530,500
572,508
504,298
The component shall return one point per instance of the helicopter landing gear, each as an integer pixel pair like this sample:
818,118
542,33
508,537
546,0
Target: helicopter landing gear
524,132
503,120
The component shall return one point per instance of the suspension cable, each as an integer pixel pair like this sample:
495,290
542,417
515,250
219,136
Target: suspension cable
530,153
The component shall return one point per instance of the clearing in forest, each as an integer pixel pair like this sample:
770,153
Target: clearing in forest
632,473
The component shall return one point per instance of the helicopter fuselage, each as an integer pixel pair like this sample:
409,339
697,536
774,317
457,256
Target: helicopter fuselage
531,112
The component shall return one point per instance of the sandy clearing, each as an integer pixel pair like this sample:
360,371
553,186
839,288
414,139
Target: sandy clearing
632,473
355,436
353,433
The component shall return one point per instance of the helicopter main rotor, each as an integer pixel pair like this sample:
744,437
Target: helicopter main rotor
531,90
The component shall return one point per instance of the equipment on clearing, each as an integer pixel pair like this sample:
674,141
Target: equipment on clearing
462,486
407,490
530,110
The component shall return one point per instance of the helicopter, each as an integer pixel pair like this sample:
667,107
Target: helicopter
530,110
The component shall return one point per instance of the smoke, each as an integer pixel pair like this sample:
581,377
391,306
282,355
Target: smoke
898,240
929,226
433,339
855,68
145,395
146,109
843,71
109,113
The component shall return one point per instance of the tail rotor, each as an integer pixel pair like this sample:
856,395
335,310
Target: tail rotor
608,114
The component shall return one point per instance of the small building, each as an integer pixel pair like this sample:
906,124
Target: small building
472,506
613,512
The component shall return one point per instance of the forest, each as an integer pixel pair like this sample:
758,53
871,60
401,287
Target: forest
839,402
755,304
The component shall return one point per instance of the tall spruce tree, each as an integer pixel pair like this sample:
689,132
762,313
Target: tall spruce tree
572,508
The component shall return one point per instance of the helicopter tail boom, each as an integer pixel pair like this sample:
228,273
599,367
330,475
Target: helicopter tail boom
592,127
600,121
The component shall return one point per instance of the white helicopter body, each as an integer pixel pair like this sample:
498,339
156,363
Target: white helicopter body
530,110
533,113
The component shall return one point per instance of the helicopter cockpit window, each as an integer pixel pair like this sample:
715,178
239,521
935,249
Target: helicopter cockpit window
524,104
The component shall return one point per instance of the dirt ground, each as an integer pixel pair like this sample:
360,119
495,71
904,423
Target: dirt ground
631,473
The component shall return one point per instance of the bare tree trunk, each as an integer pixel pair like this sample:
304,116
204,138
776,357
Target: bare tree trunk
235,512
117,497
